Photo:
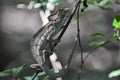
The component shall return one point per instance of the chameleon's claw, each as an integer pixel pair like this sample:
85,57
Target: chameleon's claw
36,66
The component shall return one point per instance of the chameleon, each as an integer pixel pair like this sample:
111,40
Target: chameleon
43,41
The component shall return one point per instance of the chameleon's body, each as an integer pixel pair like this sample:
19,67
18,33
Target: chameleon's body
43,39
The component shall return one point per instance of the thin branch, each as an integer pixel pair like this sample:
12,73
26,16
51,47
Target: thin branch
94,50
71,55
35,74
79,42
80,70
78,36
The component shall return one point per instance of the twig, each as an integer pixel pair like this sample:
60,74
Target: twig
78,36
71,55
79,42
35,74
94,50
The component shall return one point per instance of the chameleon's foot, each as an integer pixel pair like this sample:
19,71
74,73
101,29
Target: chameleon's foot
47,52
36,66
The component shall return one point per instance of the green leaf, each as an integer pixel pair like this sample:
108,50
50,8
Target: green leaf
115,36
38,5
116,22
41,73
5,73
96,35
119,25
117,18
114,73
18,69
97,43
29,78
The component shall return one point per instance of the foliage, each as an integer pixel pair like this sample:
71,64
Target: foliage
18,69
96,35
116,27
114,37
97,43
116,22
13,73
114,73
5,73
38,5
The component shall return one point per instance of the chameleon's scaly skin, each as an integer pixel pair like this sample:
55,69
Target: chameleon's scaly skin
42,39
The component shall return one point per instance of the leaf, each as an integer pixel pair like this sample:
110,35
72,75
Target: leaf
114,73
119,25
96,35
29,78
38,5
115,36
97,43
41,73
116,22
117,17
5,73
18,69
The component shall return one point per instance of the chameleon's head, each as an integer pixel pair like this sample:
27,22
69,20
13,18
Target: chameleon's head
61,13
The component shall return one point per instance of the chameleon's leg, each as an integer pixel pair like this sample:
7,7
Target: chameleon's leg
46,54
36,66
